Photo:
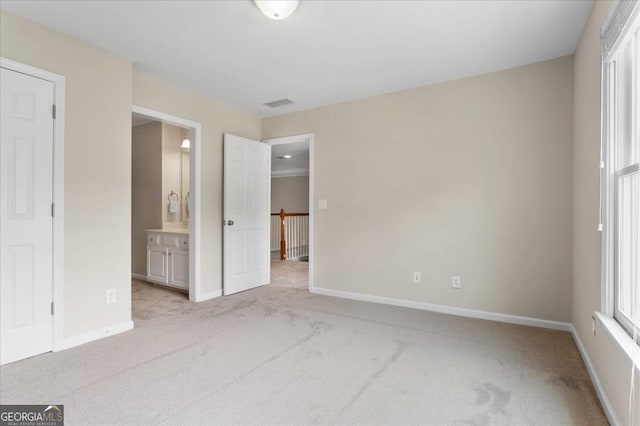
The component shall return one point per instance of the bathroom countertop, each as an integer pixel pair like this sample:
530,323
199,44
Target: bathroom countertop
169,231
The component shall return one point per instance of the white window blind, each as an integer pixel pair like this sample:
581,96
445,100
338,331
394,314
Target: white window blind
617,24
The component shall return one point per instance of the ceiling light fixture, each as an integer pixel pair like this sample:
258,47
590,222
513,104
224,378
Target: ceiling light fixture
277,9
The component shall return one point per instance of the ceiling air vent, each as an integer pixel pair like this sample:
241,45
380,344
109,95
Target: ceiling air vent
279,103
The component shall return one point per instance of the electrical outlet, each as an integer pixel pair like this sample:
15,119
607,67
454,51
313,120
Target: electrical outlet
417,277
456,282
111,296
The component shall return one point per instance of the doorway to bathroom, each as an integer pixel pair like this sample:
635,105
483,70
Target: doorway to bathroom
165,212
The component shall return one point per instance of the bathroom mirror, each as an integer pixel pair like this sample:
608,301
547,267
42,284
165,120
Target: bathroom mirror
184,179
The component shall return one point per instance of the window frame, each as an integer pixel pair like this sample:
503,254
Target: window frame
623,23
623,319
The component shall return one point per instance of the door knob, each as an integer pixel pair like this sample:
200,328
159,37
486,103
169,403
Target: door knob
228,222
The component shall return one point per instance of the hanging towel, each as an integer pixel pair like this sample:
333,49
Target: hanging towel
173,206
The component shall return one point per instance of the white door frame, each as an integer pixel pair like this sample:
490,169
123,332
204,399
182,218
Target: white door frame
306,137
195,187
58,190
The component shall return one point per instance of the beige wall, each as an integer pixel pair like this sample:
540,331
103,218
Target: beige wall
97,221
146,184
290,193
470,177
611,365
216,119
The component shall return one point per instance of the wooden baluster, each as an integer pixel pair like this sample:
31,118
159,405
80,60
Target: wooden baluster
283,243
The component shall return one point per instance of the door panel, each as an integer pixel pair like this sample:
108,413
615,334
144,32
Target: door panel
247,176
157,264
179,268
26,225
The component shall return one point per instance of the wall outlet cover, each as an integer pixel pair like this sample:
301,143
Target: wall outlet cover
456,282
111,296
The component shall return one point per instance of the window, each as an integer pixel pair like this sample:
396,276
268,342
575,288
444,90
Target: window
620,166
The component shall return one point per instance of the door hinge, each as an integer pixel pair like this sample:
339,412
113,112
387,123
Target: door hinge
51,308
53,111
53,209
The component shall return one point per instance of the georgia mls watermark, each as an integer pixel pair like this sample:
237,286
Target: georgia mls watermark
31,415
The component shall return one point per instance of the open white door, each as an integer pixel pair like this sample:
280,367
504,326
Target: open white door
26,224
246,214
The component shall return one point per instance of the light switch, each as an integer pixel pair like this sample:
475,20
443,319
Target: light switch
322,204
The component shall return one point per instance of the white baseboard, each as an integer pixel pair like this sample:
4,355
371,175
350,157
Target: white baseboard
138,276
95,335
451,310
210,295
606,404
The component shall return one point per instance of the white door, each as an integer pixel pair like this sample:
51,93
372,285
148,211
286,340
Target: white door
26,223
246,211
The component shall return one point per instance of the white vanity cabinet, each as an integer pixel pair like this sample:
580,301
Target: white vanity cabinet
168,258
157,265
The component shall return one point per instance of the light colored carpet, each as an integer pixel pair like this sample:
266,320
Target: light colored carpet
279,355
290,273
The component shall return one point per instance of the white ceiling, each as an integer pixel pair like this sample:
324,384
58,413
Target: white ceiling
297,165
326,52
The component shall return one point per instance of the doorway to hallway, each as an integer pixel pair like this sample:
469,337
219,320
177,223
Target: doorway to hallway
291,225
